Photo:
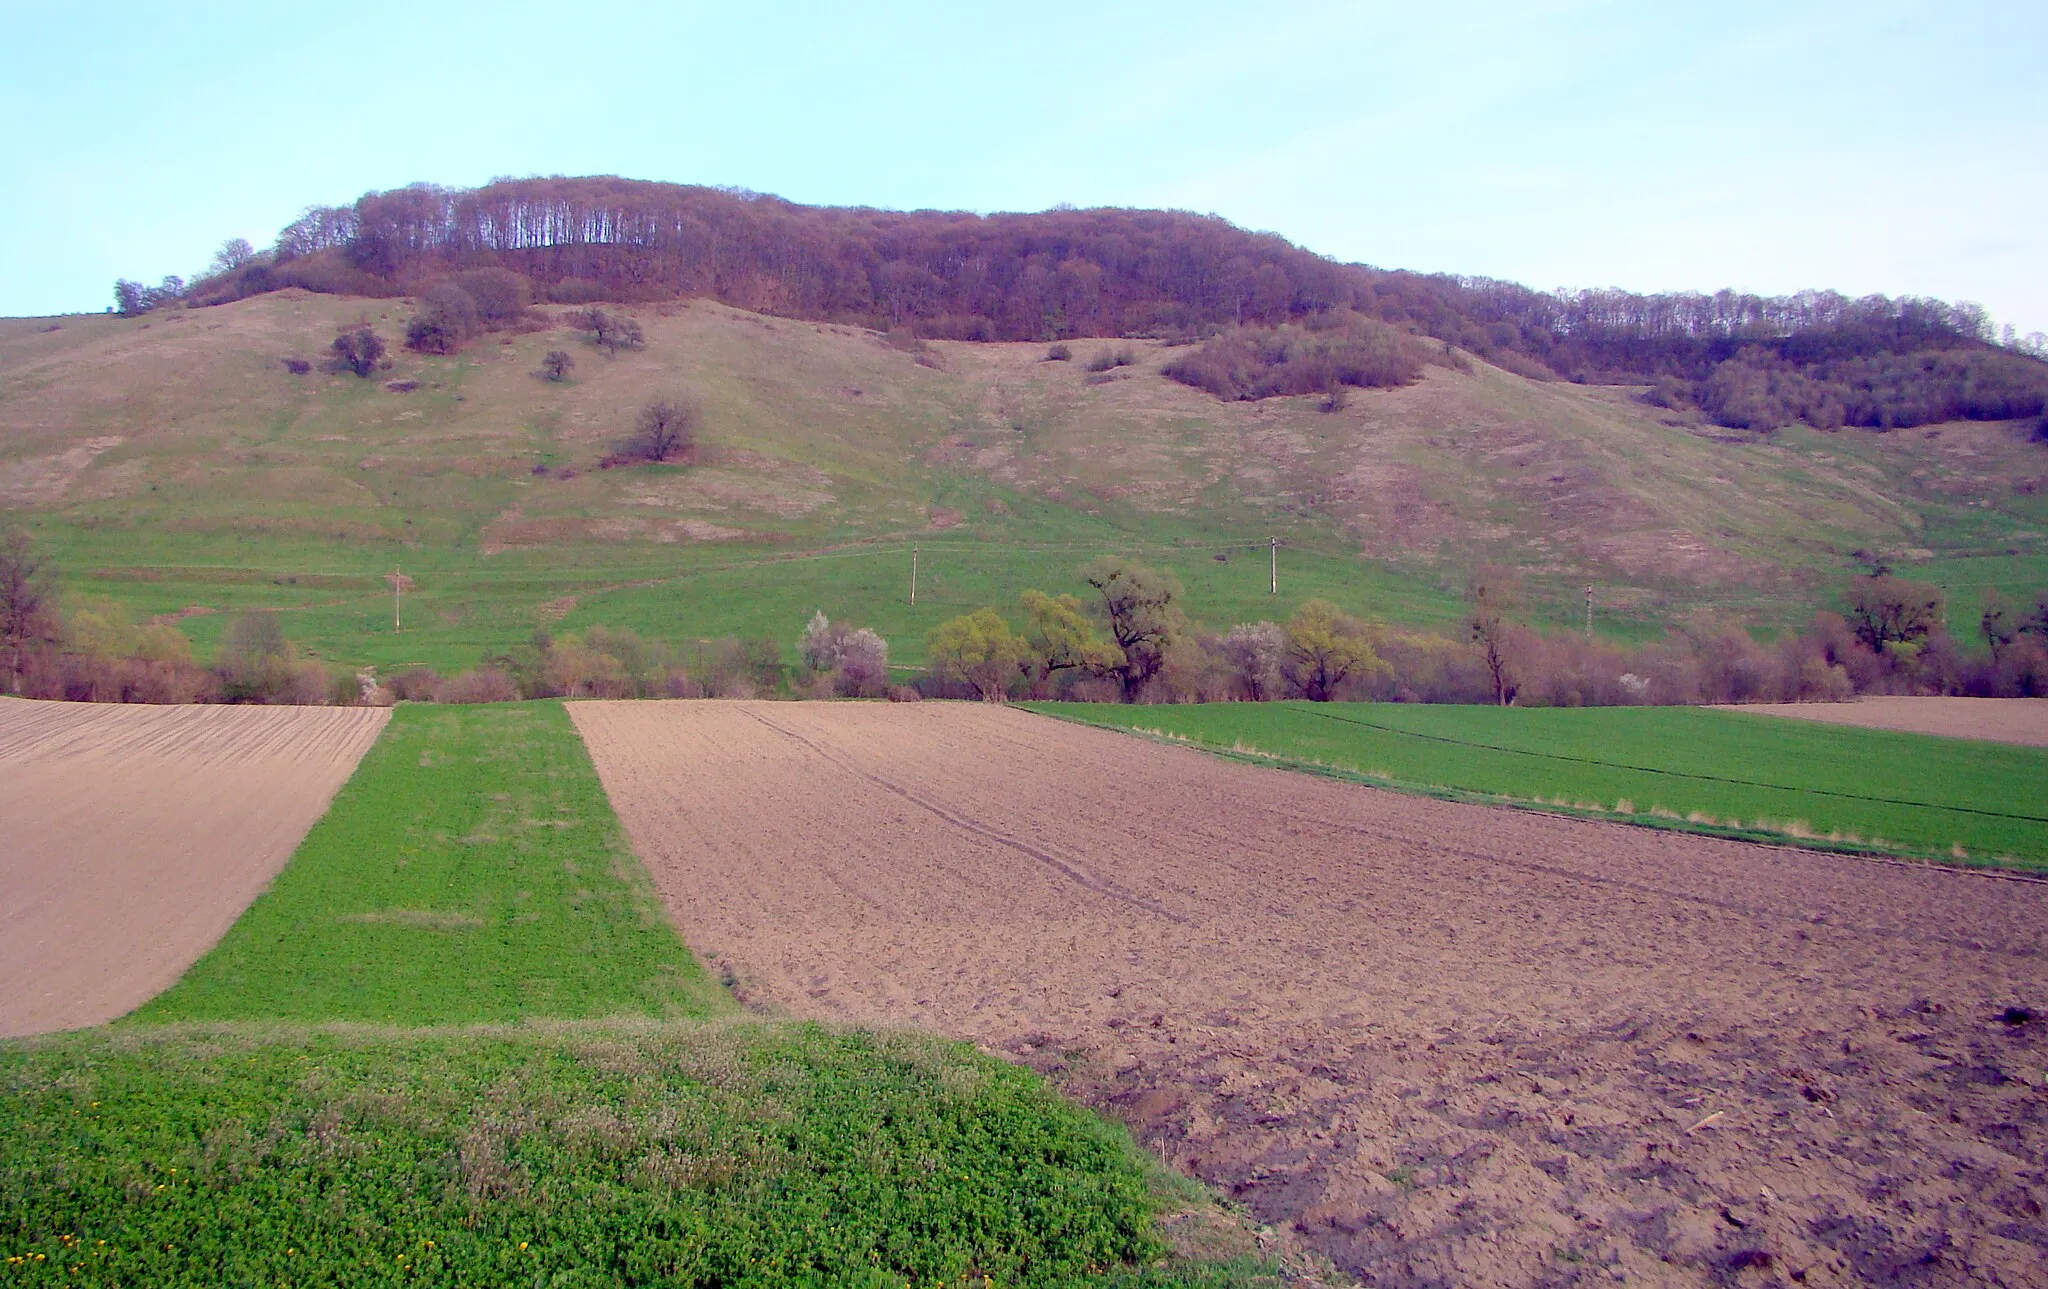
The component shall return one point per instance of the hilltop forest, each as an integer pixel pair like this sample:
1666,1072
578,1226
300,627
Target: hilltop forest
1257,301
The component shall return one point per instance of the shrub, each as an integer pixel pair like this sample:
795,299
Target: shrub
358,349
499,296
1253,363
446,320
1058,354
414,685
853,662
482,685
908,341
296,366
1105,359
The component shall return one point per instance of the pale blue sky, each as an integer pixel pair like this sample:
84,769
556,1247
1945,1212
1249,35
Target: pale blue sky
1874,146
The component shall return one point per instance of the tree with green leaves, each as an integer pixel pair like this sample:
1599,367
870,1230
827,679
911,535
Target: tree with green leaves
1140,608
1325,649
1059,637
978,649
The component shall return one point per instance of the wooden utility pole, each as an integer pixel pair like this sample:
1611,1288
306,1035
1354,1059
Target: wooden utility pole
913,575
1589,612
1274,544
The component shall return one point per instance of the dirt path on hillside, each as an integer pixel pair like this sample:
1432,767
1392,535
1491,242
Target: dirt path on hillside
1444,1044
134,836
2000,720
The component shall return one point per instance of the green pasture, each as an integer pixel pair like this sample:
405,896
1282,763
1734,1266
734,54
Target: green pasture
471,870
336,602
457,1043
1701,769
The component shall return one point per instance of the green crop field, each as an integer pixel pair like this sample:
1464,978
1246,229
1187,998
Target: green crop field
1675,767
457,1043
471,870
715,1154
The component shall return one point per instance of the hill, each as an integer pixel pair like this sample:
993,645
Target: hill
1744,361
172,463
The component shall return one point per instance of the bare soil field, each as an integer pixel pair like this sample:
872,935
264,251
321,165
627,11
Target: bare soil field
135,836
1998,720
1442,1044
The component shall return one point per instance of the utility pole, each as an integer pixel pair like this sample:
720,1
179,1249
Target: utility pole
913,575
1589,612
1274,544
397,589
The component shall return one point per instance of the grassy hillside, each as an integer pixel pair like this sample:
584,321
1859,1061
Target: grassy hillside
171,463
1719,772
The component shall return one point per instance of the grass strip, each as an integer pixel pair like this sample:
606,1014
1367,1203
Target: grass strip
694,1153
470,871
1688,769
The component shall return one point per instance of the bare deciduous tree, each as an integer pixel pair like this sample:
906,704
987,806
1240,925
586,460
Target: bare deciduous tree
667,428
556,365
610,331
233,254
26,613
1493,632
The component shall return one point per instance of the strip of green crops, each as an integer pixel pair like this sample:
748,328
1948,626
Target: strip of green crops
1898,793
471,870
471,884
708,1154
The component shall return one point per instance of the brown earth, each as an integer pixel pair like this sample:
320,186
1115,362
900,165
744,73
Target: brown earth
135,836
1443,1044
2000,720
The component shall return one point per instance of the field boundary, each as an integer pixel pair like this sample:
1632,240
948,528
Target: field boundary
1973,865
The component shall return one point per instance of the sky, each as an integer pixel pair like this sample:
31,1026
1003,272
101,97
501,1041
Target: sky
1865,147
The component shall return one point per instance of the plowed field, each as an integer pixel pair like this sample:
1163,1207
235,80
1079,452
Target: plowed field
2001,720
132,837
1444,1044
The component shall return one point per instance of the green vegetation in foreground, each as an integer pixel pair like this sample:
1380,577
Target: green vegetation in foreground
1676,767
715,1153
471,870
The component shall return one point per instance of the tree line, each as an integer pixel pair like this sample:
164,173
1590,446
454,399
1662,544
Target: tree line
1063,274
1122,636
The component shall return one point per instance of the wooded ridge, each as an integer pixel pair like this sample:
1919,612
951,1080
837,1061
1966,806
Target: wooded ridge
1755,362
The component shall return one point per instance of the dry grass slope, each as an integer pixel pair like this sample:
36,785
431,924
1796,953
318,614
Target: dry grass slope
184,424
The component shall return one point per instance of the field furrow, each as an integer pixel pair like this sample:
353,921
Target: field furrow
136,835
1443,1043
